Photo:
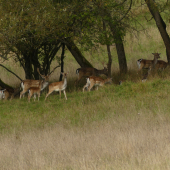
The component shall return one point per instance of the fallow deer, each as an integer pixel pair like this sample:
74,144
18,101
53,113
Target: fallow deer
28,83
35,91
96,81
2,94
8,93
58,86
88,71
155,63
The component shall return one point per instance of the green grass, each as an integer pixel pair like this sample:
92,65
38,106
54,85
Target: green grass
81,109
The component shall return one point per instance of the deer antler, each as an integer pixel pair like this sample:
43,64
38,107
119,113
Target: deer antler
39,72
54,69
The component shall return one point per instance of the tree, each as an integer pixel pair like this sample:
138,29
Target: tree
114,14
34,32
160,24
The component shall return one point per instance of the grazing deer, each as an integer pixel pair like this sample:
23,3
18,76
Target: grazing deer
86,72
58,86
34,91
96,81
155,63
28,83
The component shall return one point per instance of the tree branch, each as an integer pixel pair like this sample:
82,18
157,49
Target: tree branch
126,11
10,72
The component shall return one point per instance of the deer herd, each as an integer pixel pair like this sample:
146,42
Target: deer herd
34,87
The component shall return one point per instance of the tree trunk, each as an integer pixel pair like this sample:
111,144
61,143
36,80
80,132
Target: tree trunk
109,61
28,67
62,61
77,54
115,29
119,48
109,65
121,56
160,24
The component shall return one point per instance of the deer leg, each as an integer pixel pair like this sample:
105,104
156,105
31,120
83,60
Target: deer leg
22,93
29,97
34,96
48,94
60,93
85,86
65,94
91,86
76,82
38,96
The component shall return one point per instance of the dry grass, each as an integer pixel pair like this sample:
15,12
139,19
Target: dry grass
137,141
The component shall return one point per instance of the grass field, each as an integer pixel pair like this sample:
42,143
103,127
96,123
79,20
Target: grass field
117,127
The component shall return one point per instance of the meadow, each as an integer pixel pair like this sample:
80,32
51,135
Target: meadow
117,127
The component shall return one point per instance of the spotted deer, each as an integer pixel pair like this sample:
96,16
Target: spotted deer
88,71
155,63
28,83
35,91
95,81
8,93
58,86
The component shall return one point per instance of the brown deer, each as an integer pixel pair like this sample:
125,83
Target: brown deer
2,94
28,83
8,93
58,86
34,91
155,63
96,81
88,71
145,76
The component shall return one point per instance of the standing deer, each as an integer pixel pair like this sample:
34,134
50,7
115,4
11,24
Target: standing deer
28,83
96,81
155,63
86,72
34,91
58,86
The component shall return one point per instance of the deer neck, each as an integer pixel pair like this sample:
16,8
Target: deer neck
65,83
98,72
155,61
106,80
65,80
44,84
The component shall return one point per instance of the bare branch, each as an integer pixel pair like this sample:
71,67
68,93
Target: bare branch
10,72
